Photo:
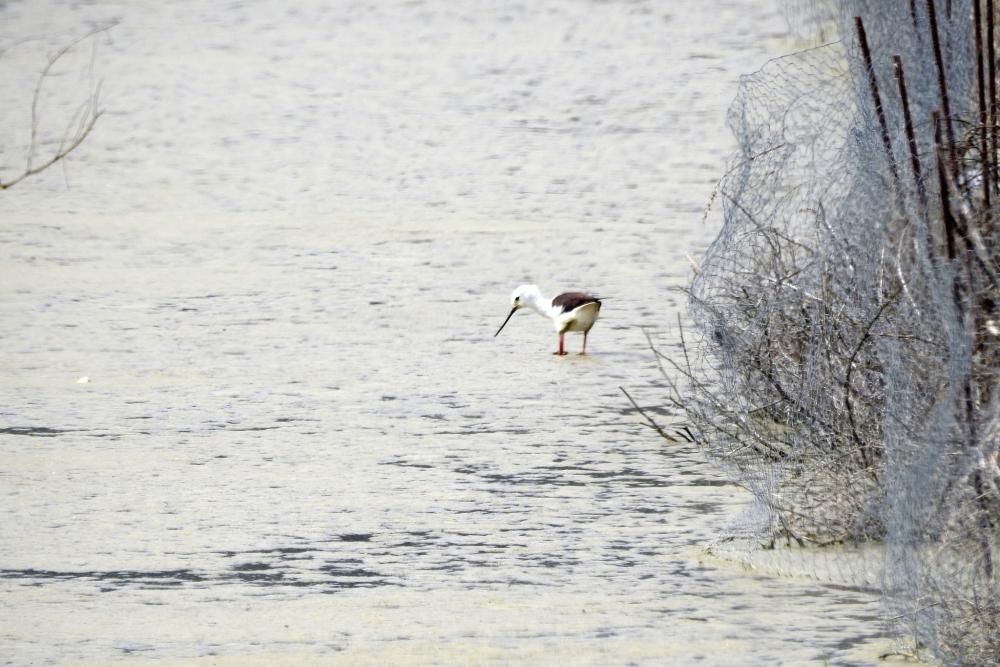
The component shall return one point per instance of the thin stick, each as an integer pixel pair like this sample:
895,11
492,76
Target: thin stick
86,121
876,98
983,118
991,76
652,424
942,86
948,217
911,138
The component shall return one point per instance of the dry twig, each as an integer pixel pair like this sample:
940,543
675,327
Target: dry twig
79,127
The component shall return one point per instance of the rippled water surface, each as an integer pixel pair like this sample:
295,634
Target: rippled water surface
280,260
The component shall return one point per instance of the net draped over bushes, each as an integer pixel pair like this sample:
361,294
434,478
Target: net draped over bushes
844,364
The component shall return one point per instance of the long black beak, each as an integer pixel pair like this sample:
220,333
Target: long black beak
512,311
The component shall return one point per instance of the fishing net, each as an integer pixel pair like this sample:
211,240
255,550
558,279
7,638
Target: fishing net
845,355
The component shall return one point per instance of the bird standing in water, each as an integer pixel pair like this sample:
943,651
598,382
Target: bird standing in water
570,311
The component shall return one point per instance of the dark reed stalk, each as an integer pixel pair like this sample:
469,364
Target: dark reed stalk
911,138
991,77
918,176
876,98
984,152
942,85
950,225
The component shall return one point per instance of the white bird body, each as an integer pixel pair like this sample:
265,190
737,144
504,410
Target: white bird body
570,311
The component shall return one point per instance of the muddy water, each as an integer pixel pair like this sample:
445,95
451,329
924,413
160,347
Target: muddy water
280,261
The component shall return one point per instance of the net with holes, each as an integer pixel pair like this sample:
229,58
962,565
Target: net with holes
845,360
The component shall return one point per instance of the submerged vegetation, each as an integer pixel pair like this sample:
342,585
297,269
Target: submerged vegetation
844,363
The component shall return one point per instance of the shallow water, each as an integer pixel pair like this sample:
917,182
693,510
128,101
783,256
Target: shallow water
280,260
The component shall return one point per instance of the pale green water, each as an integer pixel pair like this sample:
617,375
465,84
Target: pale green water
281,259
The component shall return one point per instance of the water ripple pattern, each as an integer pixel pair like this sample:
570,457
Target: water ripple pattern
280,260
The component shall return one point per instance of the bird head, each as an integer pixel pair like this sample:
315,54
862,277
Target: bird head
519,298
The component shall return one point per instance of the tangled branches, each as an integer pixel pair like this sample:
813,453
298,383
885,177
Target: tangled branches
847,347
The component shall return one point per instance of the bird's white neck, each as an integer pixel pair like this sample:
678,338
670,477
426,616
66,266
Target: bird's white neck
539,303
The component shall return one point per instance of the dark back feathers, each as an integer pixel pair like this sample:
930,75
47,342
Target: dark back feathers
573,300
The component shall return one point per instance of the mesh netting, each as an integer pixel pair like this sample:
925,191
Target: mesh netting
845,360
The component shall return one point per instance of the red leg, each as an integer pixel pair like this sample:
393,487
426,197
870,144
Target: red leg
561,349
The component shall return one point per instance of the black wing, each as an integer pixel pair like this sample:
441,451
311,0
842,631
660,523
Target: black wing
573,300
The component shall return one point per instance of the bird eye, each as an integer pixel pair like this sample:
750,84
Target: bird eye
516,299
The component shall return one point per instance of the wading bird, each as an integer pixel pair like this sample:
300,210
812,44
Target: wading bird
572,311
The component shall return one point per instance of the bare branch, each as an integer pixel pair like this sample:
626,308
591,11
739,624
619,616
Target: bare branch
80,125
650,422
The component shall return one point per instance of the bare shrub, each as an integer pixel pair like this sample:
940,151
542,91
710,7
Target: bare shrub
844,364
